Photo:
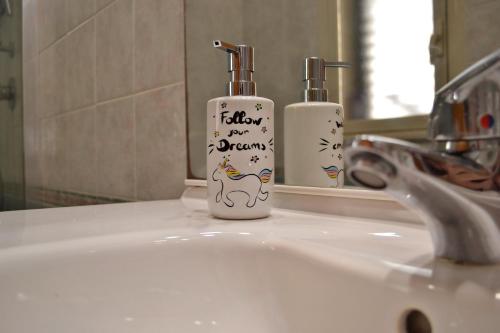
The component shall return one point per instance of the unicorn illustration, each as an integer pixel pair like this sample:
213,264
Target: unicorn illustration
333,173
232,181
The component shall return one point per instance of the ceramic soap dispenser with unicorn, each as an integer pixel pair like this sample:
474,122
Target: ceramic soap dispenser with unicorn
240,143
313,132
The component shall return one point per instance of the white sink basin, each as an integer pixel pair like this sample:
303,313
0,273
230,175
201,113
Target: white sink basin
156,267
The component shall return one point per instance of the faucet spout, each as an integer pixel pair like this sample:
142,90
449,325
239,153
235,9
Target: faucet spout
457,197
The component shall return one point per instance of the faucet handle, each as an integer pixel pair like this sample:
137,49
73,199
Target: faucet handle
468,107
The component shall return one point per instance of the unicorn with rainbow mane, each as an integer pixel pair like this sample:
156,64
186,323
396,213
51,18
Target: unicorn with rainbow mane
232,181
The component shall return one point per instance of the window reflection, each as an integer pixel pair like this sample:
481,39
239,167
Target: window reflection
399,75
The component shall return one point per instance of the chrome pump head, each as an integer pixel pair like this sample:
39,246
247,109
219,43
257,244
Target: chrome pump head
240,65
314,77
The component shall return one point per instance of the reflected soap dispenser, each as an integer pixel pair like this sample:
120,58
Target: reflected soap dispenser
240,143
313,132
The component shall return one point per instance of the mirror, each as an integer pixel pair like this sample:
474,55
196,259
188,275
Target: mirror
103,90
387,90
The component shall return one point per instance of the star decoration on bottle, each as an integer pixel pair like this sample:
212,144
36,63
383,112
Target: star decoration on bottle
216,133
258,106
334,131
340,156
254,159
264,129
223,105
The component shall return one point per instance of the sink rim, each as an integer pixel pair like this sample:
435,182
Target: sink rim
394,255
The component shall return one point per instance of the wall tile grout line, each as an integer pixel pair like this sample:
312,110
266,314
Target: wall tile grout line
114,99
95,105
133,99
159,87
59,114
72,30
39,120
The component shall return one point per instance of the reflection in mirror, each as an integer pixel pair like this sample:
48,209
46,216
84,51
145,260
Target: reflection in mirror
397,72
390,75
282,32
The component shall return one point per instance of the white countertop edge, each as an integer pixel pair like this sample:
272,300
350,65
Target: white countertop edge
348,202
346,192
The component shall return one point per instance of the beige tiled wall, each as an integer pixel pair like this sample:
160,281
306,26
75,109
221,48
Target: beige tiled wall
104,105
473,29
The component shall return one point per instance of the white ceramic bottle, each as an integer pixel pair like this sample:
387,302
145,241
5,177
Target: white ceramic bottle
314,132
240,143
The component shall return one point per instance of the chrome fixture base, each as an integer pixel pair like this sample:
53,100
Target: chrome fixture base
7,49
5,8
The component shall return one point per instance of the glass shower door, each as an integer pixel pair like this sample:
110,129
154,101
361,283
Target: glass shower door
11,107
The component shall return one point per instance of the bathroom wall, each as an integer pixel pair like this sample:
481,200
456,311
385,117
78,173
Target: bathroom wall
104,101
11,114
473,30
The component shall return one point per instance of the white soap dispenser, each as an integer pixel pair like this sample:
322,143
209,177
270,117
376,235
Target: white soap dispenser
313,132
240,143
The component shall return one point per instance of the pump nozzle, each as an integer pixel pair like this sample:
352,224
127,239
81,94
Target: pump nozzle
314,76
228,47
240,65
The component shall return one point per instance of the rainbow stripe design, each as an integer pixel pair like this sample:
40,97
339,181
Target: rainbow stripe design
232,173
332,171
265,175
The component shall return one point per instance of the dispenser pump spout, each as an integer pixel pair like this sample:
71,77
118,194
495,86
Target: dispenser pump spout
314,77
241,68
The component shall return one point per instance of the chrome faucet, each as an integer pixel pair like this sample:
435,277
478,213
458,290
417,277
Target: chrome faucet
8,93
6,8
9,49
455,184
